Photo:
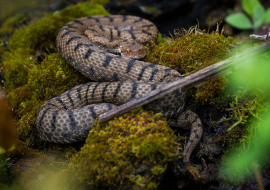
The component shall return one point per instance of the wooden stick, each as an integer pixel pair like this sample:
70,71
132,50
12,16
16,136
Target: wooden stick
210,72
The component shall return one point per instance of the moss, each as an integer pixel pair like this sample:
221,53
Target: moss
10,24
41,34
243,116
131,151
33,69
16,65
45,81
27,43
189,52
245,111
84,9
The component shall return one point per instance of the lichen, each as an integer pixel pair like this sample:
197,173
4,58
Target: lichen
191,51
33,69
131,151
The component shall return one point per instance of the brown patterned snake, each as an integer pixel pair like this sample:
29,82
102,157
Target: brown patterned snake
86,43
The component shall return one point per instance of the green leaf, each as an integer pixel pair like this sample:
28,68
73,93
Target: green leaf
239,20
258,16
250,6
267,16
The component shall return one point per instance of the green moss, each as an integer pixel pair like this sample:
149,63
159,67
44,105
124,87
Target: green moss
11,23
245,110
41,34
45,81
16,65
243,119
33,69
189,52
84,9
27,43
131,151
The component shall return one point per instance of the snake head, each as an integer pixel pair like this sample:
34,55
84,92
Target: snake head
134,51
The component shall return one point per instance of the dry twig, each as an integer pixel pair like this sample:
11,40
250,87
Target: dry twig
210,72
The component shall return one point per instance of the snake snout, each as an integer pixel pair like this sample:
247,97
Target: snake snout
133,51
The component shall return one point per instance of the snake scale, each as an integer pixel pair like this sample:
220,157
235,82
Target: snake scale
106,49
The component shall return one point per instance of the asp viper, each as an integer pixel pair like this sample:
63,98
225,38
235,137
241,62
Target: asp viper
105,49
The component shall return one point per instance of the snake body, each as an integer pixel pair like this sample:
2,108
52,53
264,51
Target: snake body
88,44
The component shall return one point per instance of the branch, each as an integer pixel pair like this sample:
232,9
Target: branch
210,72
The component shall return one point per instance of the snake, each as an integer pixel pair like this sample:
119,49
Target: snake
109,51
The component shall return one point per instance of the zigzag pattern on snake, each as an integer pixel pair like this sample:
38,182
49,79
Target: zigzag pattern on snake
88,44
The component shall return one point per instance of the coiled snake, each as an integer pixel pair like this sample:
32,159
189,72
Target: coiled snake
88,44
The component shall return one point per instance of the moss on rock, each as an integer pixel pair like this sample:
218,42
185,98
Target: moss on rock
189,52
45,81
131,151
38,38
33,69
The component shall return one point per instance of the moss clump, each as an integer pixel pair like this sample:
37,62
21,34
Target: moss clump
11,23
16,65
27,45
189,52
45,81
131,151
33,69
93,7
42,33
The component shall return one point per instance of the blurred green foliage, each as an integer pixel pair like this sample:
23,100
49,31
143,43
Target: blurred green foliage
252,108
11,7
255,11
